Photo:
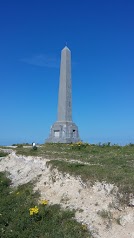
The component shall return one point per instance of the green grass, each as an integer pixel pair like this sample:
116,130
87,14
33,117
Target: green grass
113,164
121,176
3,154
50,221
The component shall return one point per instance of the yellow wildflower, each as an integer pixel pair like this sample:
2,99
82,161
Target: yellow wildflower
44,202
33,210
31,213
79,143
17,193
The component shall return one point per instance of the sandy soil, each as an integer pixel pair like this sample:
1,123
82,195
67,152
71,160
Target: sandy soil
96,206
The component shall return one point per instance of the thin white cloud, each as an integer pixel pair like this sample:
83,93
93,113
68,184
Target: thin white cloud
42,60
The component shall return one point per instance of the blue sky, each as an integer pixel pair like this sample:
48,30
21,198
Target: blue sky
100,35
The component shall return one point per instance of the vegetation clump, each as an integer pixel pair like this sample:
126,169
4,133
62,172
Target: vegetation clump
79,145
3,154
21,215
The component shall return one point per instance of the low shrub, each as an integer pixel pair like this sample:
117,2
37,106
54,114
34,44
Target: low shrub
3,154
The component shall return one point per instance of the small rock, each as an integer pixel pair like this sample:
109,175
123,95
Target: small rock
131,202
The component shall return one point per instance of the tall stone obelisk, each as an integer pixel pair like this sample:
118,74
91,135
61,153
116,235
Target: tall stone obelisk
64,130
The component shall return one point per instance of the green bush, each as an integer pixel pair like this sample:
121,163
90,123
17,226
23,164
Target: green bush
20,145
34,147
3,154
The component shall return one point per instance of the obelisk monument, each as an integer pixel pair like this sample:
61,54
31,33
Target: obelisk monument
64,130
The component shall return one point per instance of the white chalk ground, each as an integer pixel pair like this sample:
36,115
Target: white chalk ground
88,201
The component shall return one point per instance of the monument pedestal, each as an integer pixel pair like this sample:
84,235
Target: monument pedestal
63,132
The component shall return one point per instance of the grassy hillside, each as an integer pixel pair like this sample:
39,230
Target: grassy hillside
113,164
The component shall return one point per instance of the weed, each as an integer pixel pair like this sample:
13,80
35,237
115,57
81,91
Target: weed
3,154
118,220
105,214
